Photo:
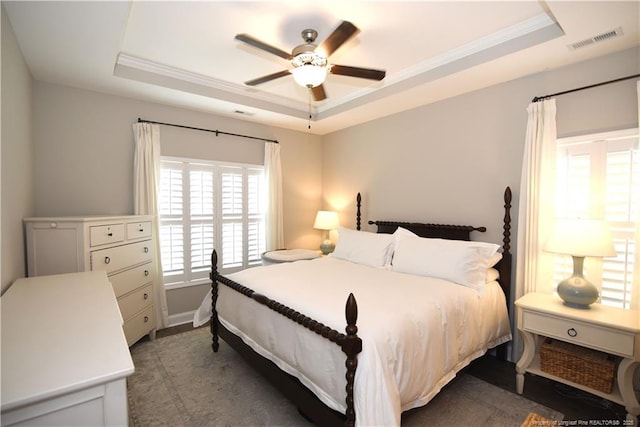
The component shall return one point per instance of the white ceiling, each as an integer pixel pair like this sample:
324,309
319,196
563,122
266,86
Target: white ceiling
184,53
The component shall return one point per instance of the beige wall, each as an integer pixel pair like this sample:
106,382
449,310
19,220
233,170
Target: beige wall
450,161
16,153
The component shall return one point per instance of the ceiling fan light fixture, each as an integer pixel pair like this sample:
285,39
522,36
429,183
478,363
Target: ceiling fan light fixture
309,69
309,75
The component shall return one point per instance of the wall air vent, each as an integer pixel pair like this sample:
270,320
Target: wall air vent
596,39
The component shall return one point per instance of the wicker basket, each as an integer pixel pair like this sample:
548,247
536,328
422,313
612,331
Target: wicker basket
591,368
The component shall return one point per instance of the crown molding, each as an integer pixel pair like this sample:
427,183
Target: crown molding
134,68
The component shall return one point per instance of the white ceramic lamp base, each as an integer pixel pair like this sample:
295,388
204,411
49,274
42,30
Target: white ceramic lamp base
327,247
576,291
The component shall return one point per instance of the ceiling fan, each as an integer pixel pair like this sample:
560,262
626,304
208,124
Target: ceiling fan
309,60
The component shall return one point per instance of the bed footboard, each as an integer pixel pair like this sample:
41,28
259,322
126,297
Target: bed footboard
350,343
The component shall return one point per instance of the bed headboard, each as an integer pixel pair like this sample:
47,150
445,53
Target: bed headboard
441,231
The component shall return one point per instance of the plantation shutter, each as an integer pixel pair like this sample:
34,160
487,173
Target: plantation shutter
232,227
201,203
255,216
207,205
622,188
171,217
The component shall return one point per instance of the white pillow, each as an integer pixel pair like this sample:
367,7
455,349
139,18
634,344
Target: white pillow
458,261
494,259
487,248
400,232
364,247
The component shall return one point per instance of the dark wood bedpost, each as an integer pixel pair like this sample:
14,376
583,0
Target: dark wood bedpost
505,263
358,214
352,346
214,298
506,243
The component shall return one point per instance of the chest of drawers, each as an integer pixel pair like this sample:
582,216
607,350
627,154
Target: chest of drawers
122,246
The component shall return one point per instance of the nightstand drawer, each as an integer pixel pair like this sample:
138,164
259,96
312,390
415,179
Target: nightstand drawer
589,335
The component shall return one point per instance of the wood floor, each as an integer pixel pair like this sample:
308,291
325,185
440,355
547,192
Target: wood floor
576,405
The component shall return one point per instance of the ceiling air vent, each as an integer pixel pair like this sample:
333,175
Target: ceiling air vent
596,39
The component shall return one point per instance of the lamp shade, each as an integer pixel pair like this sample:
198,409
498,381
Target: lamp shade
581,237
326,220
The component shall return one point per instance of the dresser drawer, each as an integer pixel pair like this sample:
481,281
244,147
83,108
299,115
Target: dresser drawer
129,280
121,257
138,230
576,332
105,234
135,302
140,325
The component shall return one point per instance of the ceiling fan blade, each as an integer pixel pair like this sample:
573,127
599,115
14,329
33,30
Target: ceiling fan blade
267,78
262,45
344,32
363,73
318,93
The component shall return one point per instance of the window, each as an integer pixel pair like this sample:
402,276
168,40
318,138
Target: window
598,176
206,205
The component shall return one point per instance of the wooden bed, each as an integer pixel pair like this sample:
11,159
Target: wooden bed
306,401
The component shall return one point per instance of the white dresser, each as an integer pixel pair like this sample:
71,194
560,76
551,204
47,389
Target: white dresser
120,245
65,360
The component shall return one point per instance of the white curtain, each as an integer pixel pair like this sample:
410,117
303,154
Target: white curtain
537,203
146,184
273,173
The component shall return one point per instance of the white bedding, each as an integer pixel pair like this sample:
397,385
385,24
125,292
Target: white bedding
417,332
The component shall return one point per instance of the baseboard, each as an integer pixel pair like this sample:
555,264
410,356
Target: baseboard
181,318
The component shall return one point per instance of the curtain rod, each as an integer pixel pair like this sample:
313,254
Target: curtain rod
217,132
540,98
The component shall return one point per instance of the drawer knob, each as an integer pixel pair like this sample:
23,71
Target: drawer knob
110,234
572,332
141,230
107,260
146,250
146,319
146,296
146,272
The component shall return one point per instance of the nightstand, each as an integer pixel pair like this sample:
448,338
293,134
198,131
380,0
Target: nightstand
606,329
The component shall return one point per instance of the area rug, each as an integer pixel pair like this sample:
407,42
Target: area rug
179,381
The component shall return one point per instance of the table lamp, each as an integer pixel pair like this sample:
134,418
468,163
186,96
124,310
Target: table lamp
580,238
326,220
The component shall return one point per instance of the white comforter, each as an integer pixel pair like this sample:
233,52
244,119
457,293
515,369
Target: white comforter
417,332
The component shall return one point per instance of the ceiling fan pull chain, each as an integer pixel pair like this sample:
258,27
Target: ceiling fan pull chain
309,127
